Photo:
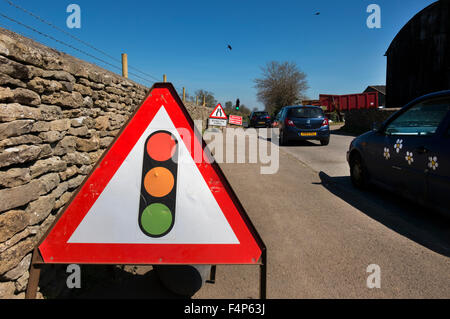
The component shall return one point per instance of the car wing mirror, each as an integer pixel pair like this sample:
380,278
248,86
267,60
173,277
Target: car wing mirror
376,126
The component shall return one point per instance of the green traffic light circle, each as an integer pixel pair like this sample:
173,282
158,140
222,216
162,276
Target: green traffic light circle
156,219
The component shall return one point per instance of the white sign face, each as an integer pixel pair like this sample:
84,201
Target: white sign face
113,217
216,122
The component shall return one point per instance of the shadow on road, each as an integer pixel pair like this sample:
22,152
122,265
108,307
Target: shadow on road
408,219
105,282
343,133
303,143
347,131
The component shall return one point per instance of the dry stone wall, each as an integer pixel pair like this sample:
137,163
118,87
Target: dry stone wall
57,116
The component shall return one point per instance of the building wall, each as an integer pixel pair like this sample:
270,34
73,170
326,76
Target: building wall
418,60
361,121
381,96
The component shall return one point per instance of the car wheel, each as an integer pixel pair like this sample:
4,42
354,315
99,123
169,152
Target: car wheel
358,172
325,142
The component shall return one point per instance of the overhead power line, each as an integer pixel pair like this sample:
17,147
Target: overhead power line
70,46
77,39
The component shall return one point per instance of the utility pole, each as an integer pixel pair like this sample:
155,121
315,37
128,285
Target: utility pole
125,65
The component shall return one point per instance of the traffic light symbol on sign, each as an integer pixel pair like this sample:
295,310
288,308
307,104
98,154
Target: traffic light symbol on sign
158,185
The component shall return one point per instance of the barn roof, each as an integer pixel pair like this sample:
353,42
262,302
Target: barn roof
409,22
379,88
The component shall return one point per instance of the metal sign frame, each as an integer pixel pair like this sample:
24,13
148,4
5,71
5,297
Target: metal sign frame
38,262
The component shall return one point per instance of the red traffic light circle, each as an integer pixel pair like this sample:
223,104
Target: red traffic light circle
161,146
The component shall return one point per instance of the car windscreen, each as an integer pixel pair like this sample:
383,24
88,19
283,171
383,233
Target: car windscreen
306,112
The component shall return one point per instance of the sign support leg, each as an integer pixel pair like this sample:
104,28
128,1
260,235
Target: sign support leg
212,275
263,276
33,280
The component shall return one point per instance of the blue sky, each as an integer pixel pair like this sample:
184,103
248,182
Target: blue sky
187,40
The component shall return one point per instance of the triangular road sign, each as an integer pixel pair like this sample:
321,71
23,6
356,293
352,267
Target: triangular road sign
218,113
152,200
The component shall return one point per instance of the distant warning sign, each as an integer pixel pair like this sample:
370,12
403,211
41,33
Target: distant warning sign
235,120
218,113
148,201
217,122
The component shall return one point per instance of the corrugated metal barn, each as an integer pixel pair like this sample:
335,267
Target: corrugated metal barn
418,59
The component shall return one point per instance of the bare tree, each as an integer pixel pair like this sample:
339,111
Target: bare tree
209,98
228,107
282,84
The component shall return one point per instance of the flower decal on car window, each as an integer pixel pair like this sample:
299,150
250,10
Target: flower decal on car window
433,163
398,145
409,157
387,154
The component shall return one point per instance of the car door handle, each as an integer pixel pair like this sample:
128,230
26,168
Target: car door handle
422,150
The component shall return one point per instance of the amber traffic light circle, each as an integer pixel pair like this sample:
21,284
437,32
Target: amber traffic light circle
158,182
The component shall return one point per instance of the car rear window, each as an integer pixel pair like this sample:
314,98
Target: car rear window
306,112
260,114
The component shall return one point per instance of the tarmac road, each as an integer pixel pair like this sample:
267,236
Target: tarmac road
322,234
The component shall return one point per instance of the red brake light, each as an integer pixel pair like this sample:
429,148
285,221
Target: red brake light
289,122
325,122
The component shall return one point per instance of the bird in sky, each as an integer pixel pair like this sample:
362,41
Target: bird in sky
229,47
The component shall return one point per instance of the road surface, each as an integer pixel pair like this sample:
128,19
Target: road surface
322,234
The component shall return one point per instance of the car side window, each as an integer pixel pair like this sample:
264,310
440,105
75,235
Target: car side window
278,116
423,118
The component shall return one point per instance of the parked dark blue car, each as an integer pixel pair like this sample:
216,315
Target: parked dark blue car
260,119
301,123
409,153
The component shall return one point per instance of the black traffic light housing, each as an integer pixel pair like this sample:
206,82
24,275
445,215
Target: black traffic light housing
158,184
238,104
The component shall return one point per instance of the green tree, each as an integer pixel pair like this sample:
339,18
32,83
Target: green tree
282,84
